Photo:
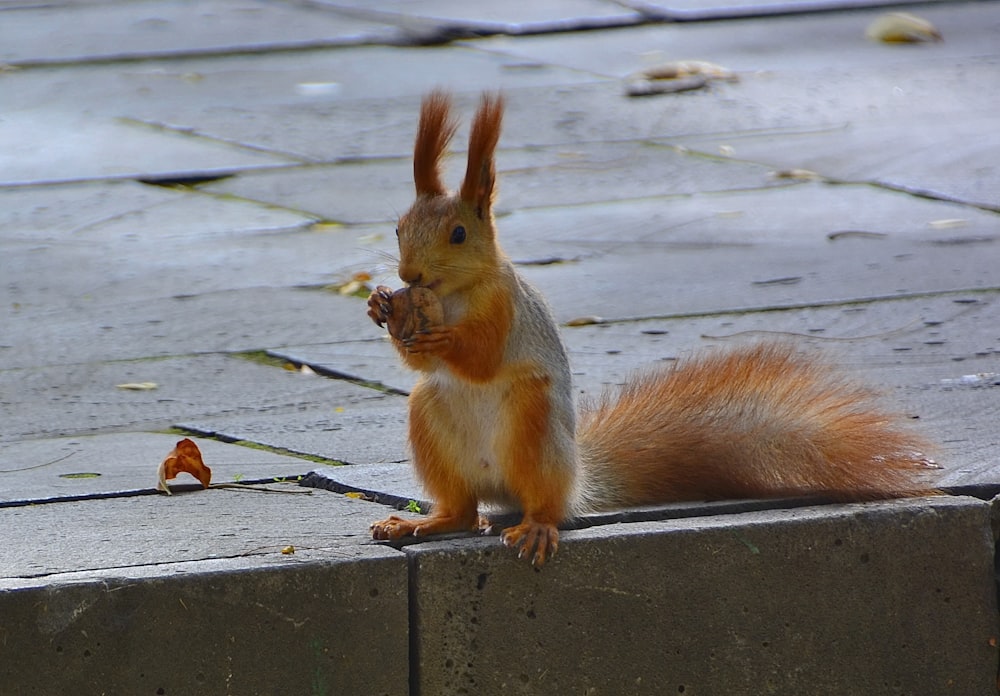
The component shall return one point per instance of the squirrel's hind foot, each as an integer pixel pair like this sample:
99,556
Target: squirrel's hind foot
537,540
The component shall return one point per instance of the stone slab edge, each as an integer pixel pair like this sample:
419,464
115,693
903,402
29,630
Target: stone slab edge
706,598
879,598
334,624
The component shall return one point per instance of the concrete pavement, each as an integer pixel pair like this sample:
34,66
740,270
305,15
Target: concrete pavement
184,187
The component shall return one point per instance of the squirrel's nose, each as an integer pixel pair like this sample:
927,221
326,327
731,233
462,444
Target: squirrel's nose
410,276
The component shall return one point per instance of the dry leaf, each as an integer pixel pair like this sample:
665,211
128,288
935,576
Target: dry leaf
359,284
688,68
947,223
288,550
138,386
796,174
585,321
676,76
644,87
902,27
185,457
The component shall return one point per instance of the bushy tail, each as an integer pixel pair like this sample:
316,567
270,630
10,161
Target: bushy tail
756,422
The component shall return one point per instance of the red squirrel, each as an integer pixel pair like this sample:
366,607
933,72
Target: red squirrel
492,418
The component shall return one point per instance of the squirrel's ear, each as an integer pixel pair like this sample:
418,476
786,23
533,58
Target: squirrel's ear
480,175
433,134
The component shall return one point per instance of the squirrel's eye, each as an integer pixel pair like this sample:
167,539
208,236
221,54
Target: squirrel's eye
397,233
457,235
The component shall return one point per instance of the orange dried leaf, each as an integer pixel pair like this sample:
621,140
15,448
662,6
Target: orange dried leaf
184,458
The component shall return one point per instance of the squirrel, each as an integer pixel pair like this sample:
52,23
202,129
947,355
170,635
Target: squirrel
492,418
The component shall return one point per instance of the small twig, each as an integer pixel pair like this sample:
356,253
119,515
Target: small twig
259,488
39,466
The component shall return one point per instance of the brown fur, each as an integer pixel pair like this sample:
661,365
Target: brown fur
480,173
433,135
754,422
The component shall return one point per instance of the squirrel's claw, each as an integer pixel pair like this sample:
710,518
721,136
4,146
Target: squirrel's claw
379,305
540,540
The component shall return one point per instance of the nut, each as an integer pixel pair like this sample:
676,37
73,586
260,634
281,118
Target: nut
414,309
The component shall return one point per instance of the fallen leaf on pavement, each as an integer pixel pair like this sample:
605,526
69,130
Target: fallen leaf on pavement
184,458
358,284
676,76
902,27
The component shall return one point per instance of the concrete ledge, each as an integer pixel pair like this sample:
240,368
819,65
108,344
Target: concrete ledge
895,597
212,627
884,598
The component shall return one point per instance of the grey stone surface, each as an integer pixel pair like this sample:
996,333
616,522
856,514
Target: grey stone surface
721,605
86,397
354,425
92,148
498,16
692,257
231,321
820,47
540,177
394,484
335,623
89,31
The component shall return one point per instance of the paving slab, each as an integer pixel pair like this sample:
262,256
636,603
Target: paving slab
89,147
703,10
944,163
352,425
820,45
99,466
237,101
83,398
233,321
128,241
368,191
514,16
815,588
814,73
77,33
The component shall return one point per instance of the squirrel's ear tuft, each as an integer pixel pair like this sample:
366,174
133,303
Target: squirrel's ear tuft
433,134
480,175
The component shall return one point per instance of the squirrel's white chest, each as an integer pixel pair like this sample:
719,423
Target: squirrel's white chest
472,418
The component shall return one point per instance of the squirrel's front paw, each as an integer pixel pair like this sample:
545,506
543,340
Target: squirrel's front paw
380,305
393,528
434,340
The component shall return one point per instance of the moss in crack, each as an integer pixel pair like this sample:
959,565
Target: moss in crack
262,357
314,458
